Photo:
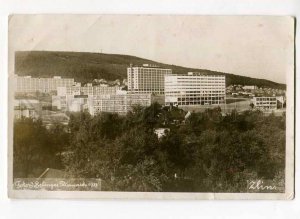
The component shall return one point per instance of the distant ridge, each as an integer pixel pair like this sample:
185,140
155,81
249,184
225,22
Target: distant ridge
84,67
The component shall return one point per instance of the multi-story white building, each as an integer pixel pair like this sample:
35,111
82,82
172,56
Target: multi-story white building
105,90
118,103
267,103
87,90
70,90
27,84
194,89
146,79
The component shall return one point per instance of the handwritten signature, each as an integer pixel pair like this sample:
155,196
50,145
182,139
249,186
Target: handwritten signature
260,185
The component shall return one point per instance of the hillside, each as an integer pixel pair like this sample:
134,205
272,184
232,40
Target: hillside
86,66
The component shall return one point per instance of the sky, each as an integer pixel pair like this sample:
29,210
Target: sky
254,46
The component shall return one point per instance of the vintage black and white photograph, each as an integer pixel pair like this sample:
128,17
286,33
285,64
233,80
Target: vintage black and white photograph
151,106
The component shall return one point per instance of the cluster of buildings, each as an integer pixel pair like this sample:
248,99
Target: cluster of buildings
253,91
144,84
99,99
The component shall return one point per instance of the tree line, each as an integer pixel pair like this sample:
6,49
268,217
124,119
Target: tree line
205,152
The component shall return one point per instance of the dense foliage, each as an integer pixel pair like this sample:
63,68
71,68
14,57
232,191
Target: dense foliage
206,152
84,67
36,148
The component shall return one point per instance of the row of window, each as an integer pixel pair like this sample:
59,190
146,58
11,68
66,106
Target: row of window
195,80
188,84
186,103
201,99
195,92
267,103
195,89
265,99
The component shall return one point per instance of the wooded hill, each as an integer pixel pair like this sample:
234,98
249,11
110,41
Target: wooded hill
85,67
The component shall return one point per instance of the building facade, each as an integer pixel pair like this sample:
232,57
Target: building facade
119,103
87,90
27,84
105,90
266,103
147,79
195,89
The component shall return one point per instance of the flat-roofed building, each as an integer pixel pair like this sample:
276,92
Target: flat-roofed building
146,79
117,103
70,90
87,90
195,89
266,103
105,90
28,84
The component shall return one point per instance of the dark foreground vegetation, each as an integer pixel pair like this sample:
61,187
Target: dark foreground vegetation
206,152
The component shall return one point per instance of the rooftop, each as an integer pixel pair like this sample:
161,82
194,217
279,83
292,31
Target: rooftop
147,66
197,74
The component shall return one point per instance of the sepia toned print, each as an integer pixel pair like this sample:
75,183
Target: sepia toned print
151,106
